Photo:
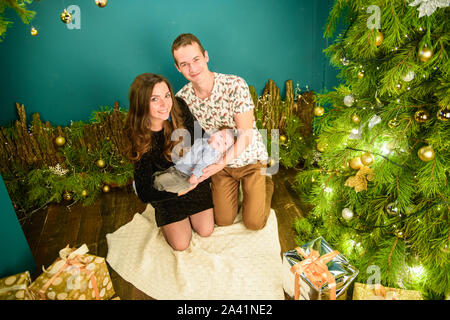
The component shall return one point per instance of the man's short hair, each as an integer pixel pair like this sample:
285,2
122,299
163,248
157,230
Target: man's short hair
183,40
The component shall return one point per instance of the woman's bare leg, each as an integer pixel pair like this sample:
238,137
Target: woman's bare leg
178,234
203,222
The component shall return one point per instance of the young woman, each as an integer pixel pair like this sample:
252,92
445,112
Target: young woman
153,115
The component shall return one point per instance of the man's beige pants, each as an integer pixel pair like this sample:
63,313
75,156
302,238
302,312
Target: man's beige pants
257,189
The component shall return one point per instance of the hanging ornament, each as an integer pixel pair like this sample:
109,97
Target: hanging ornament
356,118
356,163
398,86
34,32
318,111
349,100
283,138
426,153
106,188
425,54
100,163
345,61
361,74
67,196
60,141
392,209
66,17
367,159
399,233
379,38
84,193
408,77
101,3
421,115
272,162
427,7
321,146
393,123
443,114
347,214
360,179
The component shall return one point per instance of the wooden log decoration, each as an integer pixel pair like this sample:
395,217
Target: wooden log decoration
305,105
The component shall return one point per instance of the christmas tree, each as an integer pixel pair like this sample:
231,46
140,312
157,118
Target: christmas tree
380,187
19,6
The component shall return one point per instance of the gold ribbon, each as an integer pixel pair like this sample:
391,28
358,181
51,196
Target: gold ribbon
70,257
315,269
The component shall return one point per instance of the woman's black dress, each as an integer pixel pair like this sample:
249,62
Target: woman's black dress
169,207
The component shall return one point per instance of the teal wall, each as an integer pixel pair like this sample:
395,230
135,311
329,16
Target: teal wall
66,74
15,254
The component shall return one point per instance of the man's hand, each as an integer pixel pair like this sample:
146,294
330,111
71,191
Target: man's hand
186,191
207,172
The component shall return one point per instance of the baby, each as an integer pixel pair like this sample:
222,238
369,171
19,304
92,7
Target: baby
203,153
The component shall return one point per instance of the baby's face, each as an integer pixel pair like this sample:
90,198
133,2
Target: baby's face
221,140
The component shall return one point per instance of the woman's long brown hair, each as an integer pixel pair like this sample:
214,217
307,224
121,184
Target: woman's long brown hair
137,123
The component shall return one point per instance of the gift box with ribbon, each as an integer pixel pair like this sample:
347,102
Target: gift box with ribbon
75,275
378,292
15,287
314,271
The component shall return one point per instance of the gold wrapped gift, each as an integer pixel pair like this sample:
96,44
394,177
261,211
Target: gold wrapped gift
15,287
378,292
75,275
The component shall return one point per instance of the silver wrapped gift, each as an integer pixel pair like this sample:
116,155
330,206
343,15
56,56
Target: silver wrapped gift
343,272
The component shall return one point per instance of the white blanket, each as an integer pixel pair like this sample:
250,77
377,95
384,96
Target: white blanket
232,263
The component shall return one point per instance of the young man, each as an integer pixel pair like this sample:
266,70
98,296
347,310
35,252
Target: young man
218,100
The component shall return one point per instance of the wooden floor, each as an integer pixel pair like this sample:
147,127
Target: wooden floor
50,229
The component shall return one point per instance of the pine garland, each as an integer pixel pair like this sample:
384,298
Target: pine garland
37,171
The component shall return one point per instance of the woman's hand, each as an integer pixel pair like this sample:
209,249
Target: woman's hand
186,191
207,172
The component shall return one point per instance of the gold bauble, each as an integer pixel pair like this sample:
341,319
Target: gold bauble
100,163
101,3
367,159
426,153
283,138
319,111
399,234
425,54
321,146
398,86
356,163
106,188
272,162
422,115
34,32
393,123
84,193
66,17
67,196
392,209
356,118
361,74
443,114
60,141
379,39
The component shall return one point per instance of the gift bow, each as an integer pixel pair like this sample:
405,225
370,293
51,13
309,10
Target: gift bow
380,291
70,257
315,269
